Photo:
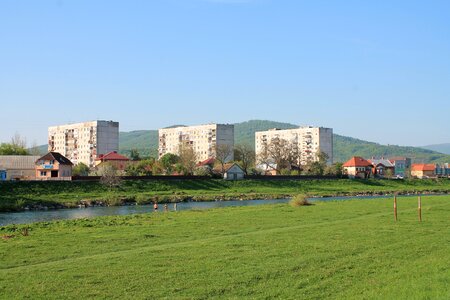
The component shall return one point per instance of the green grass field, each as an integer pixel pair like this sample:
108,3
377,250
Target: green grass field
16,195
343,249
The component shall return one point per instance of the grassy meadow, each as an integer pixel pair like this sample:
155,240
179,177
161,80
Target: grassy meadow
17,195
342,249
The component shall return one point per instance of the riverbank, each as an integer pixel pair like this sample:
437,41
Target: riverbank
269,251
18,196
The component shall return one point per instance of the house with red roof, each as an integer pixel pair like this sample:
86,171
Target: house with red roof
113,158
358,167
423,170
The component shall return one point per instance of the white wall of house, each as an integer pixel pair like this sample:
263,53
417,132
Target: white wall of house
234,173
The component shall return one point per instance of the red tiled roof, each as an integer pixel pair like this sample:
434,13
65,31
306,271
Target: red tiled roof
423,167
112,156
357,161
208,162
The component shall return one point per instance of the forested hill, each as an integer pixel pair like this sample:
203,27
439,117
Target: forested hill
146,142
346,147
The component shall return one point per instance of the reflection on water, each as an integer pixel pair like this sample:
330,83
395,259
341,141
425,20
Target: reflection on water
90,212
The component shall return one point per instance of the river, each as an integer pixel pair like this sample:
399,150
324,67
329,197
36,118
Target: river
27,217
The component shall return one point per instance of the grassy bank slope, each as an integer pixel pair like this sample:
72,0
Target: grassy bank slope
16,195
347,249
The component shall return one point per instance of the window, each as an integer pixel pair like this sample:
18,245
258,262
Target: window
43,173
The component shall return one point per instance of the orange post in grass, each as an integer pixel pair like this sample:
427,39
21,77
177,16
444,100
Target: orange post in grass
420,209
395,209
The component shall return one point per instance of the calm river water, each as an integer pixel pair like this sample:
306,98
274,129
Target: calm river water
90,212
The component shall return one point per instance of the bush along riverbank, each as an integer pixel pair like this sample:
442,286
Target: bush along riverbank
21,196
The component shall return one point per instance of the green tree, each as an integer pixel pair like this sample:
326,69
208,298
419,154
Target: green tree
224,153
134,155
140,168
168,161
245,156
17,146
335,170
10,149
80,170
188,158
317,166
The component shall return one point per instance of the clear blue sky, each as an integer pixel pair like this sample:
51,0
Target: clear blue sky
376,70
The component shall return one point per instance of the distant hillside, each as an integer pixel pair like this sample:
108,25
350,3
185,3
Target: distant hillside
442,148
146,142
244,133
345,147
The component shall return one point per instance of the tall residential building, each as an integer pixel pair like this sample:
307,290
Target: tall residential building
203,138
84,142
308,140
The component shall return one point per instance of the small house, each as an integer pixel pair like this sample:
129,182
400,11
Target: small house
233,172
53,166
423,170
113,158
358,167
382,167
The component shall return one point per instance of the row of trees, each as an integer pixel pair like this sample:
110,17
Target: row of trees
278,155
284,157
18,146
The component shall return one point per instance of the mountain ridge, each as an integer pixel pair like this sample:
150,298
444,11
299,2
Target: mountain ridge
442,148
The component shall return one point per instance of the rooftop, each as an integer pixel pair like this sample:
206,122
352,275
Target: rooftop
112,156
423,167
357,161
61,159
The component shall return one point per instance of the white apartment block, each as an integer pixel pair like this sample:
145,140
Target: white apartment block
309,140
84,142
203,138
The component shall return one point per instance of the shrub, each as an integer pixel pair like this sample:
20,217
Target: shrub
114,200
300,200
143,199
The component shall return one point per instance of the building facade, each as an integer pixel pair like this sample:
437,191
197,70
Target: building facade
18,167
204,139
443,170
308,140
358,167
423,170
53,166
382,167
402,165
84,142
